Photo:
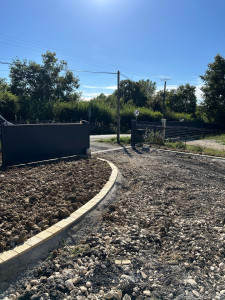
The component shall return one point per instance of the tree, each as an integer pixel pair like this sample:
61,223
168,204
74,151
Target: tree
137,93
4,87
40,85
182,99
8,102
214,90
148,88
8,105
156,101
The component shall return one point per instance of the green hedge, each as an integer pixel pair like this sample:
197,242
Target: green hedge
172,116
74,112
146,114
102,116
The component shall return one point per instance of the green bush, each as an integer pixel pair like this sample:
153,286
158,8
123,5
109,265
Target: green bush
172,116
100,128
146,114
66,112
149,115
9,105
177,145
77,111
101,113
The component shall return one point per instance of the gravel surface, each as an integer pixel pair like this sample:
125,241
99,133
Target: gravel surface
162,238
208,144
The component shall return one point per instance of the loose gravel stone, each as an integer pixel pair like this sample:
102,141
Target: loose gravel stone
147,293
167,220
88,284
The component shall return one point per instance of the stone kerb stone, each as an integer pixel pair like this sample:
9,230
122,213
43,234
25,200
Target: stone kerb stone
61,226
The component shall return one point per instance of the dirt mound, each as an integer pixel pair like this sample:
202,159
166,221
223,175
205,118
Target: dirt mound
34,198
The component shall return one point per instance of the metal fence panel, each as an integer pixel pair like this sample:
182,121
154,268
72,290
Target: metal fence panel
36,142
139,131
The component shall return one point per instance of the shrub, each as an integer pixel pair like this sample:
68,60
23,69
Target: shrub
8,105
146,114
172,116
77,111
65,112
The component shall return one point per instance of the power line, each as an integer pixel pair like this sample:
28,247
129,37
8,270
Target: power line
70,56
5,63
95,72
28,45
126,77
73,57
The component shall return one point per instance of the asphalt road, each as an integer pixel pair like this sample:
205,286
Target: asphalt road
106,136
98,146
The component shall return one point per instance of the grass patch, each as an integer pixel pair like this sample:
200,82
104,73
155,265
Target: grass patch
113,140
213,152
175,145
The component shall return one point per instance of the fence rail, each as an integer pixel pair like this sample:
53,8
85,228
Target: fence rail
150,132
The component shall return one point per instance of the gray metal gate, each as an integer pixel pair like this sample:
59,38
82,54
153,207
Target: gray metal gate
37,142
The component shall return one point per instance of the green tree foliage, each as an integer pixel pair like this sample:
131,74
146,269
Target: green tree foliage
38,86
148,88
146,114
156,101
182,99
8,102
137,93
4,87
214,90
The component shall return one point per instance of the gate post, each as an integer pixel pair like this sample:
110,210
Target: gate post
133,132
164,128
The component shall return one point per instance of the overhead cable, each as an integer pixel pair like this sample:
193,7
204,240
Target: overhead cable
96,72
5,63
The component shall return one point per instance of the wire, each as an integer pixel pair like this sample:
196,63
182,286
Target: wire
126,77
28,45
5,63
72,57
96,72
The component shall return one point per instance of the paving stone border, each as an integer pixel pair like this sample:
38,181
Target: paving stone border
11,257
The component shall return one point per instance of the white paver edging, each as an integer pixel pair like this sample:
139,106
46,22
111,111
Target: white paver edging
57,228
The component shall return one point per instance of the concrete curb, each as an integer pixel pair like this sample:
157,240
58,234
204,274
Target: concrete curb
28,250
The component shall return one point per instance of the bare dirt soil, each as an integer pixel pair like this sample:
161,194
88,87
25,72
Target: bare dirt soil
162,238
34,198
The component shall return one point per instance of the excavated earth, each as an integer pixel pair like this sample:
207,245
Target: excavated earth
34,198
162,238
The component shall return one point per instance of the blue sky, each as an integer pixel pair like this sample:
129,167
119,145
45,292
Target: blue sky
141,38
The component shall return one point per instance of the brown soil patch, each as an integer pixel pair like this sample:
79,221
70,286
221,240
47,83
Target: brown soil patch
34,198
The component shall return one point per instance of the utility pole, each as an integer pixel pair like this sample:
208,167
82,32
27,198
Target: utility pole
164,94
118,107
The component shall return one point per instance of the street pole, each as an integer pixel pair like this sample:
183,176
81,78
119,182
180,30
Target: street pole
164,94
164,98
118,107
